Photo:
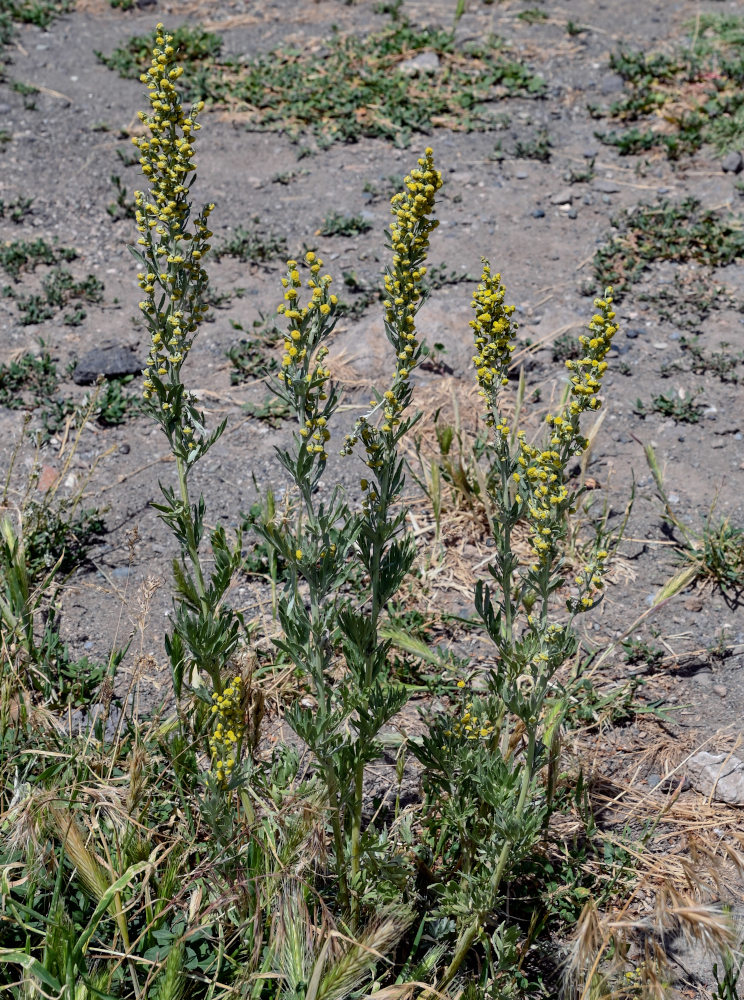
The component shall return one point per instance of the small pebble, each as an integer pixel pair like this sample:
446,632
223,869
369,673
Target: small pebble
721,690
538,214
572,213
562,197
732,163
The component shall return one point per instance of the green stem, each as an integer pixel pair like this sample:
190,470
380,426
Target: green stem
475,927
338,837
356,839
191,545
193,551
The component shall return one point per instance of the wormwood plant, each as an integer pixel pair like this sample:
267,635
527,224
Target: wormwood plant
182,856
486,803
342,727
174,282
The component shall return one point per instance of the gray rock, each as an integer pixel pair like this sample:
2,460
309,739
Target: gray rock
631,334
4,109
611,83
606,186
719,775
110,359
732,163
572,213
538,213
423,64
562,197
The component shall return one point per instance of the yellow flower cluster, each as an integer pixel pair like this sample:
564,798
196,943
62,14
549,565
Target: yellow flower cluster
304,373
224,743
589,581
470,726
542,474
586,377
542,487
409,241
493,333
170,253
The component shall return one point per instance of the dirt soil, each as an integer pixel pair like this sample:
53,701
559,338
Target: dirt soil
537,228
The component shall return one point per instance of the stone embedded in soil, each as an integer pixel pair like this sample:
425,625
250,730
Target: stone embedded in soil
606,186
112,360
732,163
562,197
718,775
47,478
424,62
611,83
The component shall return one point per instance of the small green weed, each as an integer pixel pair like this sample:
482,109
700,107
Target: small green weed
532,15
59,533
114,406
288,176
677,231
638,652
690,300
685,99
123,207
254,245
5,138
566,348
365,296
682,410
439,275
16,210
338,224
122,4
721,364
271,411
59,289
29,381
713,553
254,357
26,91
535,148
23,255
383,189
193,44
126,157
354,88
38,12
582,176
